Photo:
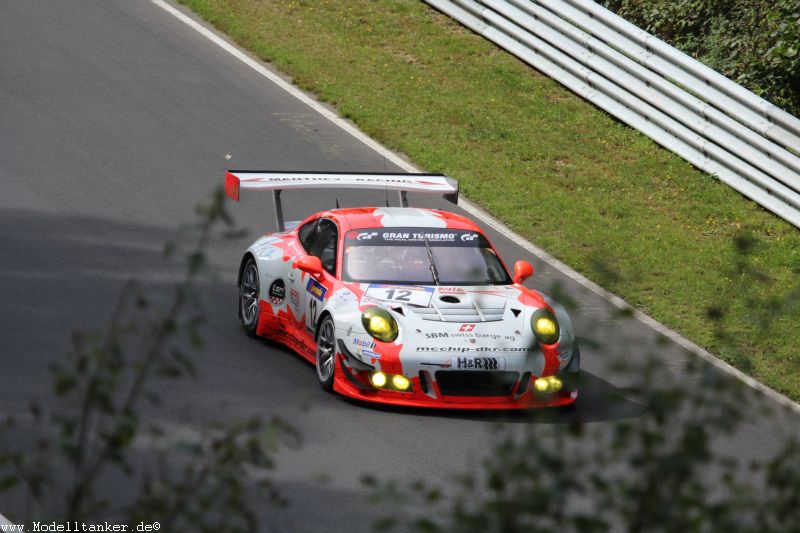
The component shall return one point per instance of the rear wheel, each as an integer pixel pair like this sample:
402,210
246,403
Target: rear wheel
326,353
248,297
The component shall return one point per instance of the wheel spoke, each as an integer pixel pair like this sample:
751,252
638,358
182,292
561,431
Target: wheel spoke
249,312
326,352
248,293
326,334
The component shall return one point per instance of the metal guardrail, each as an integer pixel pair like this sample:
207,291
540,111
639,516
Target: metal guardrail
690,109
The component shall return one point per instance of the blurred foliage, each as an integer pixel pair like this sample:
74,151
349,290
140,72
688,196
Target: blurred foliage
756,43
94,429
667,470
664,467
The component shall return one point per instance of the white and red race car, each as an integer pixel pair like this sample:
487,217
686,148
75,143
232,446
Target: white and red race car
402,305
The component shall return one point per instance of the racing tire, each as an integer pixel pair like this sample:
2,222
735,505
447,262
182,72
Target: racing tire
573,374
325,361
249,292
574,365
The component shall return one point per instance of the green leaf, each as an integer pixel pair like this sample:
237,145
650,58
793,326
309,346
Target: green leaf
8,483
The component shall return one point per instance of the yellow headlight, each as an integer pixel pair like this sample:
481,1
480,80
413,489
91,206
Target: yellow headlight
548,384
380,324
545,326
400,382
378,379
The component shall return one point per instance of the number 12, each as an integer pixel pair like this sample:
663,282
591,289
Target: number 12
403,295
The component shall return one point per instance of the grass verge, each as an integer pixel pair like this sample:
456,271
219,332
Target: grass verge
598,195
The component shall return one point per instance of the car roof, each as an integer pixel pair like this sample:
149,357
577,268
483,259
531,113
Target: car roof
392,217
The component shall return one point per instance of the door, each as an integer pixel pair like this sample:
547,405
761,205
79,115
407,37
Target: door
319,240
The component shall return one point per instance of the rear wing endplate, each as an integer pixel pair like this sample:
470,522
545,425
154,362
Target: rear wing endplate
238,180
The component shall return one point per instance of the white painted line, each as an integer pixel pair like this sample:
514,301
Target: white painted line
5,521
468,206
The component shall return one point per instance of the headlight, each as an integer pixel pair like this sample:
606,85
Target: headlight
378,379
545,326
400,382
380,324
548,384
395,382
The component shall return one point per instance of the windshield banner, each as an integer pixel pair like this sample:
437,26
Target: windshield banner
416,237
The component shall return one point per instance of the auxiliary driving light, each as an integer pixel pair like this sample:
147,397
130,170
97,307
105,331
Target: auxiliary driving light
400,382
378,379
548,384
396,382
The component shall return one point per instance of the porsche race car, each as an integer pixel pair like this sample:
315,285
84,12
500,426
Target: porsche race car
402,305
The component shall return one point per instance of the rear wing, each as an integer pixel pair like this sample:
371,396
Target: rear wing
238,180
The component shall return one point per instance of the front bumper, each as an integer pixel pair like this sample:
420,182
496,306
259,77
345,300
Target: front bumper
453,389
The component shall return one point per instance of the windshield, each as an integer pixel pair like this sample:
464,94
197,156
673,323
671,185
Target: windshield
401,255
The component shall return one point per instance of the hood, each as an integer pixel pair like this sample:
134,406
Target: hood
448,303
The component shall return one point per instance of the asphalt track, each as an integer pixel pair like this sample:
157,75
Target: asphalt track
115,119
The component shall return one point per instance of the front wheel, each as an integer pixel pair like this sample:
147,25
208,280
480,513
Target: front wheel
248,297
326,354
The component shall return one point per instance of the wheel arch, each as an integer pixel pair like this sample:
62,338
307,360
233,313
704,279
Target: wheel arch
325,313
245,257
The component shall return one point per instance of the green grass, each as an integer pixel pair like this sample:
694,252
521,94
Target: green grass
556,169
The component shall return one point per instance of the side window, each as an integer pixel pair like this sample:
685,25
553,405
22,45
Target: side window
306,233
323,244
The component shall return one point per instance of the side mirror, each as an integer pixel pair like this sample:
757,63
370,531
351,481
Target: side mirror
310,264
522,271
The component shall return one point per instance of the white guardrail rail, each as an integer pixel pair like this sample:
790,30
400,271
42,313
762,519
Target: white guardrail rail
690,109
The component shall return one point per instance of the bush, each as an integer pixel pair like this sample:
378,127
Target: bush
753,42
